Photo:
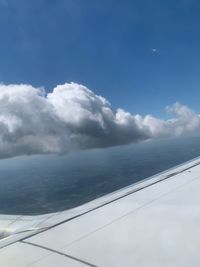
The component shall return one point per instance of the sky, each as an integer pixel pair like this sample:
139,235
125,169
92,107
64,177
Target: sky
93,74
141,55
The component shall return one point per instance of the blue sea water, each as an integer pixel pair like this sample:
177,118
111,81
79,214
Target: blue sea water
49,183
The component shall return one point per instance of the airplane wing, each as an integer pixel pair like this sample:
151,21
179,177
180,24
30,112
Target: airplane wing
151,223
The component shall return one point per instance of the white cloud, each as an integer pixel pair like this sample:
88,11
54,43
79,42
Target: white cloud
73,117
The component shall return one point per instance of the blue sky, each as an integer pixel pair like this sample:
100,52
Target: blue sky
107,46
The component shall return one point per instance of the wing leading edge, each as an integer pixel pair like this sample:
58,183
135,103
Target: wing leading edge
151,223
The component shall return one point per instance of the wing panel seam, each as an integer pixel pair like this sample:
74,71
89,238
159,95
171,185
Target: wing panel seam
59,253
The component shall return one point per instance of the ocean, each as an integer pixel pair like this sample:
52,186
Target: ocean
42,184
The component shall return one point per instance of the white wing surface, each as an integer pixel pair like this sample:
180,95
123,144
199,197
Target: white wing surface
152,223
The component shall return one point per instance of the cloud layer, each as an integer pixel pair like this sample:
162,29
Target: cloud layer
73,117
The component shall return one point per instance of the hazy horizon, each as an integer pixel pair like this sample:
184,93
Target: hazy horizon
49,183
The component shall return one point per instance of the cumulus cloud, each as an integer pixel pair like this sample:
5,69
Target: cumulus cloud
73,117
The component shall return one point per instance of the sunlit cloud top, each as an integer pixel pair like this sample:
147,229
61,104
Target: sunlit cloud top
73,117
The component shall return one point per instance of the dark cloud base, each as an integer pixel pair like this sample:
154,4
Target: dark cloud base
73,117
